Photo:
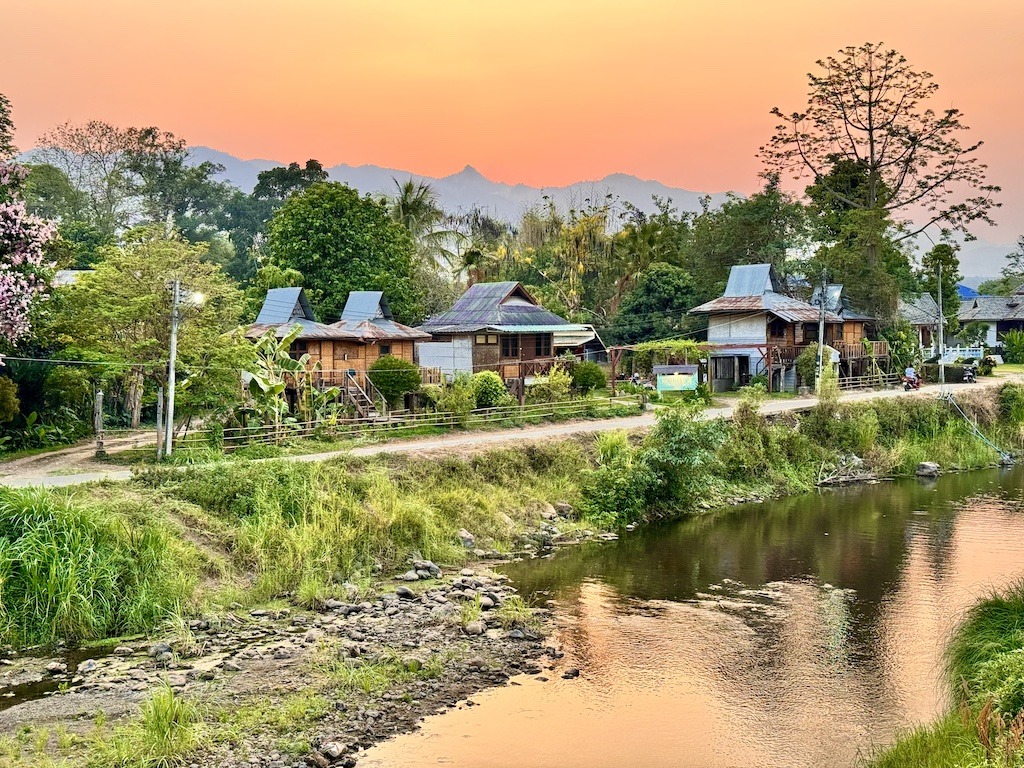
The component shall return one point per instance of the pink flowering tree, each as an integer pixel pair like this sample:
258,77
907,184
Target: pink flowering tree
23,237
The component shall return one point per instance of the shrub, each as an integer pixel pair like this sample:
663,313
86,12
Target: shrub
588,376
807,364
1013,346
457,398
619,492
681,450
68,388
489,390
9,403
394,376
986,366
1011,402
553,388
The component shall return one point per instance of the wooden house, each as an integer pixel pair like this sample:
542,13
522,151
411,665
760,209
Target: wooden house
498,327
755,328
340,353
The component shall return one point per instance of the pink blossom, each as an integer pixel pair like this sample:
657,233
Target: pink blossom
23,265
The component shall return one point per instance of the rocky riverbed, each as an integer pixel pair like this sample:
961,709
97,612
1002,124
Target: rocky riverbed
283,686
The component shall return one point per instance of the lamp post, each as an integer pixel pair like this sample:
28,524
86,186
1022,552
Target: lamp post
195,299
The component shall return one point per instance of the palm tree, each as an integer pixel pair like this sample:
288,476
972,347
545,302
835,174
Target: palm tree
415,207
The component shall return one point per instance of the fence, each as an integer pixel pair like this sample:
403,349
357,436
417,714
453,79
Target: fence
870,381
398,422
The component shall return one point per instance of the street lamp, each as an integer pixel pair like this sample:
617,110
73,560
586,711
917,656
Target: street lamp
196,299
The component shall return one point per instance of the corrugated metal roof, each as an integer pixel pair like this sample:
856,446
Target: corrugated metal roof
790,310
283,305
310,330
919,310
991,308
366,305
487,306
752,280
379,330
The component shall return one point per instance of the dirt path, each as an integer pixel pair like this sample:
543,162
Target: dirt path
74,469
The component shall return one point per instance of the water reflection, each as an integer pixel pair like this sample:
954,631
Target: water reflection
798,632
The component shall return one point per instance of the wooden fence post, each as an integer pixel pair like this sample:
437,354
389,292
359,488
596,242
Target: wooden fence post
159,423
97,424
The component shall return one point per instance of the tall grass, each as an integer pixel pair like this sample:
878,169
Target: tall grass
297,526
73,571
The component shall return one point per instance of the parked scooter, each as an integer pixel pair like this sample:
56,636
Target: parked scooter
970,374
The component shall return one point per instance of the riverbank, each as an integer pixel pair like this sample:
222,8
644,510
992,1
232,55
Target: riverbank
186,556
985,681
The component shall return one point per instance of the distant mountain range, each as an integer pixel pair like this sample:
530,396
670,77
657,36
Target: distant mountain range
469,188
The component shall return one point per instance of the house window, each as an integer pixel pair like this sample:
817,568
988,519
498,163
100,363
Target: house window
510,346
481,338
777,328
298,350
723,368
492,338
543,345
385,349
487,338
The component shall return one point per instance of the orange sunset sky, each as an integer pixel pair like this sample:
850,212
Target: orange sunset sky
541,92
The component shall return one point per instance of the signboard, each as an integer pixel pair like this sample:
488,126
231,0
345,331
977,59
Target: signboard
676,378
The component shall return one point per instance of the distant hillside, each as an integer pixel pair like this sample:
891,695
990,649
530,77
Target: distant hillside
468,188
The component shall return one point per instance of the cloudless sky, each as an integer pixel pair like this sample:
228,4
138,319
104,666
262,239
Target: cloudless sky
544,92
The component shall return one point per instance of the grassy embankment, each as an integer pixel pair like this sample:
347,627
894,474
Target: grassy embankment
117,559
985,674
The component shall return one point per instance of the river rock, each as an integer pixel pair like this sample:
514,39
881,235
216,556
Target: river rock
123,650
158,648
928,469
563,508
86,666
475,628
232,666
57,668
333,749
486,603
468,539
467,572
165,658
410,576
404,593
569,674
426,565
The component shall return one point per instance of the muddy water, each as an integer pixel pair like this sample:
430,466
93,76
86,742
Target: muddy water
802,632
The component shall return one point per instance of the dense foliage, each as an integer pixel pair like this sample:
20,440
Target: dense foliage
394,377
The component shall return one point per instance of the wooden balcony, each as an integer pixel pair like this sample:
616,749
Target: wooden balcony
786,354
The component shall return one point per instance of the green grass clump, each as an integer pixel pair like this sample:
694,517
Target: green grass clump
167,732
992,629
72,570
945,744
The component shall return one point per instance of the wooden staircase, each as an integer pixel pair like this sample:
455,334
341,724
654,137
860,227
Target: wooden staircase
365,398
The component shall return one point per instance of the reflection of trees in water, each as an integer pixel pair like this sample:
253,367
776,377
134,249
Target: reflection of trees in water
854,538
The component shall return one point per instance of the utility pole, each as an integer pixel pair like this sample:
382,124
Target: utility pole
169,429
942,335
159,423
821,333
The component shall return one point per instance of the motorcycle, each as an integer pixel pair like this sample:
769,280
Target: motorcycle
911,382
970,375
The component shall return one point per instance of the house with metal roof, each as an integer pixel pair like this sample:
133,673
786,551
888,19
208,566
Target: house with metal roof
340,353
754,329
922,312
499,327
1000,313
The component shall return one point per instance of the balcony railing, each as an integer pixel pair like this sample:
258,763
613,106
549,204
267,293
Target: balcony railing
786,354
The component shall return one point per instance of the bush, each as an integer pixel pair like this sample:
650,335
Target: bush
489,390
986,366
9,403
618,493
588,376
70,389
457,397
394,376
807,364
1013,346
72,571
553,388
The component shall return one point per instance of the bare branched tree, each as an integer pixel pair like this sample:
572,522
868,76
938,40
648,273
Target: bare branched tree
867,106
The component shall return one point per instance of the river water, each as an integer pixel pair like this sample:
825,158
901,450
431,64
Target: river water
801,632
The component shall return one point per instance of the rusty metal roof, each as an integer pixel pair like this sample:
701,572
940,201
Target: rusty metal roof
364,331
783,307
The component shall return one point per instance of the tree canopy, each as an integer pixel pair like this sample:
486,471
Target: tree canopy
341,242
867,106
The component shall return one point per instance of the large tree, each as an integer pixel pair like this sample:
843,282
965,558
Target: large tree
869,107
943,256
121,313
342,242
656,308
